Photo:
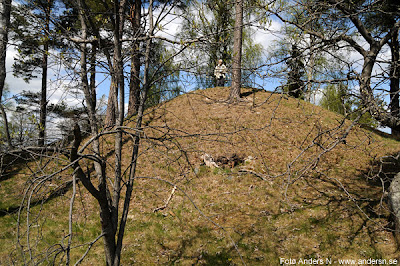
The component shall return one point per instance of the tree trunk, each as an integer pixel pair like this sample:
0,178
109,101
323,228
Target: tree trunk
109,231
43,95
5,9
394,82
119,8
237,53
92,71
310,69
134,84
365,81
111,113
367,95
102,194
6,129
43,99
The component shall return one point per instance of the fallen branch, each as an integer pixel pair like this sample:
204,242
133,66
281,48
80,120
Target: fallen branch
168,200
261,176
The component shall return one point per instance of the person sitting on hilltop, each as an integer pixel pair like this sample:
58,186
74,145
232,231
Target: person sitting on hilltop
220,73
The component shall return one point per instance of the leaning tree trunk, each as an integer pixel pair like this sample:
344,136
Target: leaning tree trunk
394,81
237,53
5,9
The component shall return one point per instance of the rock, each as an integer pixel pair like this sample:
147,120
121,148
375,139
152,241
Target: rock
249,159
394,203
209,161
197,170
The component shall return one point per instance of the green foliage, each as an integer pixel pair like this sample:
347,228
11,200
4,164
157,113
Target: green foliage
335,99
251,58
165,75
365,119
31,30
29,102
305,59
295,84
21,122
22,115
215,19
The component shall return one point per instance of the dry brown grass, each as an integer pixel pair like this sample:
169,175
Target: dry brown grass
329,211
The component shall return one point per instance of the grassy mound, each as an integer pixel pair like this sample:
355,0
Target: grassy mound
304,193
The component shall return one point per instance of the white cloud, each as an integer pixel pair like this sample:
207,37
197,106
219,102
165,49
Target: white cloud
169,26
17,85
266,37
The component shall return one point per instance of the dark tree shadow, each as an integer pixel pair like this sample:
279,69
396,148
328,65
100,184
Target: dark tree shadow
250,92
362,199
59,191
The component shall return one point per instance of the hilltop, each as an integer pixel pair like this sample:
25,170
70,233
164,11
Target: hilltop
310,187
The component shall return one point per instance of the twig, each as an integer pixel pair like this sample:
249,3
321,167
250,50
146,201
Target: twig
261,176
166,203
88,249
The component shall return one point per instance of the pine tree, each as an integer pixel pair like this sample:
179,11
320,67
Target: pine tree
32,28
295,84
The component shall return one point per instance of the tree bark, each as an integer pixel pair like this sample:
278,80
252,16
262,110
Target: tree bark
310,69
6,129
119,10
5,11
92,71
101,194
111,113
134,84
135,150
43,95
237,53
375,46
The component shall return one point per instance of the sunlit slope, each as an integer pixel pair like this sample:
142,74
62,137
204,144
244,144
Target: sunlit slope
304,193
